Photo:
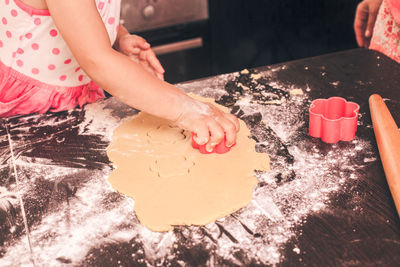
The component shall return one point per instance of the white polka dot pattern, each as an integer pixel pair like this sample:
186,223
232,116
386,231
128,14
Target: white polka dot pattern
31,44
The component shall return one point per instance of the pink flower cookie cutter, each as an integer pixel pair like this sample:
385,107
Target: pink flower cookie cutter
221,148
333,119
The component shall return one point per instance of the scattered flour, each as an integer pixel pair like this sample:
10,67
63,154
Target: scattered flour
96,216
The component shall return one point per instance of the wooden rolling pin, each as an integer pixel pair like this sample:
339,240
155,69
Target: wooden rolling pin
388,139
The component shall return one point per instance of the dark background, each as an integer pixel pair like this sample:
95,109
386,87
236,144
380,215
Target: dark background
251,33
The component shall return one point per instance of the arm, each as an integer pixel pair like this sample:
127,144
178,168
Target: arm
364,21
83,30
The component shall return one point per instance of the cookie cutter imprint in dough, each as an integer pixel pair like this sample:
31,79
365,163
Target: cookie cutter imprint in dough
162,163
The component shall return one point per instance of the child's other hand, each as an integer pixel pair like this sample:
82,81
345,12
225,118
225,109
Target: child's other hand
364,21
139,51
209,123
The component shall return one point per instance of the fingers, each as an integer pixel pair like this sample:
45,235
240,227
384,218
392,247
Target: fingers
139,42
149,68
154,62
234,120
216,134
134,58
371,23
160,76
135,51
360,22
202,134
222,125
151,58
133,44
229,130
146,66
210,124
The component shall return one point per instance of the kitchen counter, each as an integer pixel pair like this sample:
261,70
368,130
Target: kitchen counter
320,205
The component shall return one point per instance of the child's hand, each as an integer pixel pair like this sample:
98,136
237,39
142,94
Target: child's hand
209,123
139,51
364,21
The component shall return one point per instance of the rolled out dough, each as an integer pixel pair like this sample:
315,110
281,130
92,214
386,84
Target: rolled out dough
174,184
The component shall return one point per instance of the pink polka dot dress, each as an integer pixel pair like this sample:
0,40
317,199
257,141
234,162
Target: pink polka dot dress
38,72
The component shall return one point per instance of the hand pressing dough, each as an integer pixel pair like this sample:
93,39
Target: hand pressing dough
174,184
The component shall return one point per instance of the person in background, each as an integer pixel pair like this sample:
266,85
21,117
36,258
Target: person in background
377,26
57,54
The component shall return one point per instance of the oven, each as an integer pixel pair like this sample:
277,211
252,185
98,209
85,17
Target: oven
178,31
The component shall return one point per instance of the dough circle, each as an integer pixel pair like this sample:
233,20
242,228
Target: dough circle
174,184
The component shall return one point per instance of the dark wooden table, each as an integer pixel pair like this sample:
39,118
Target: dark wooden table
370,234
321,205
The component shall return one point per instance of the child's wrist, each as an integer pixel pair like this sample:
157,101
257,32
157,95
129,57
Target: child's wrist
191,106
